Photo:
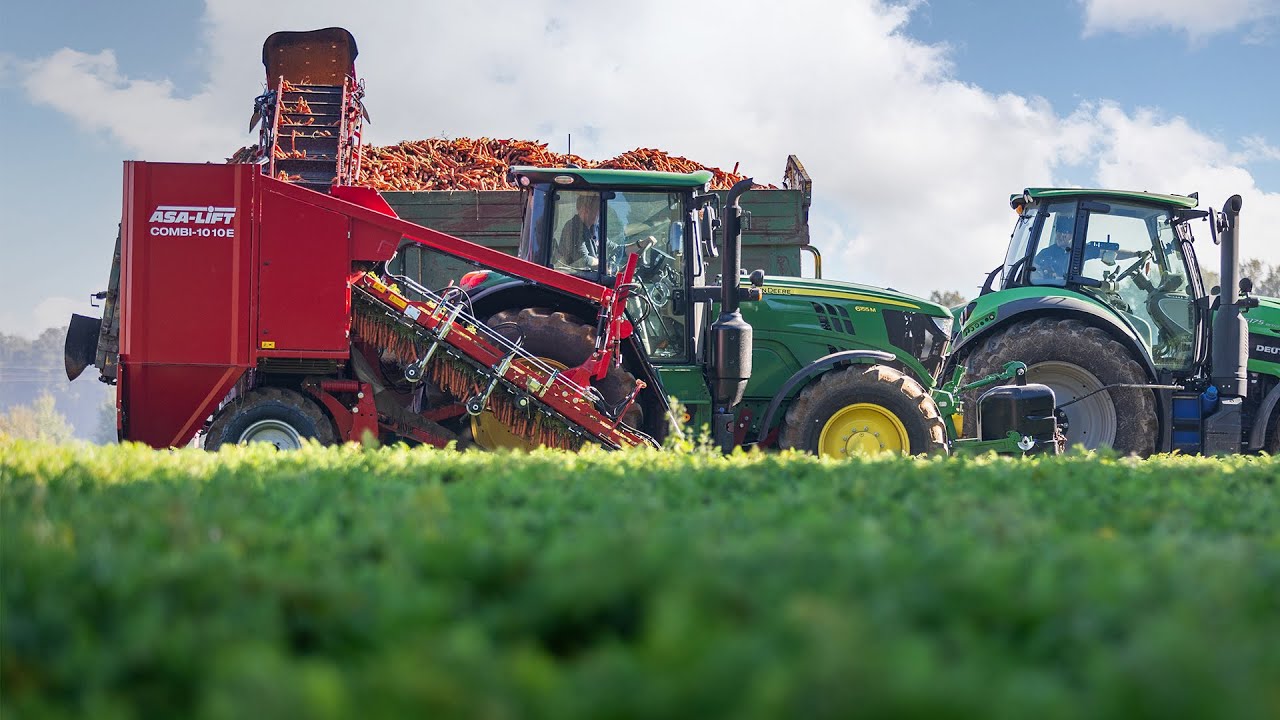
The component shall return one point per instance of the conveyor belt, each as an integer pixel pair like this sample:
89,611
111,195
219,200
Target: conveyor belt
438,338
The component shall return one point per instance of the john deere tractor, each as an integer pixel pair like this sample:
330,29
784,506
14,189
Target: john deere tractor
1101,295
836,368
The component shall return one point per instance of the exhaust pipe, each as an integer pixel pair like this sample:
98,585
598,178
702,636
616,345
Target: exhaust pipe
1230,332
730,334
1222,431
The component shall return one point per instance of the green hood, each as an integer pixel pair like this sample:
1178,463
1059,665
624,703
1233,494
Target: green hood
835,289
1265,319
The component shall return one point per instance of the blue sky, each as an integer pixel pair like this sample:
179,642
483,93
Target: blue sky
915,120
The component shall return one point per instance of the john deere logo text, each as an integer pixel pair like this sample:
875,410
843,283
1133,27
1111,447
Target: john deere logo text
184,221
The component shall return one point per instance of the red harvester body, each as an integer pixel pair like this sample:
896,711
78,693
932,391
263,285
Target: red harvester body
224,269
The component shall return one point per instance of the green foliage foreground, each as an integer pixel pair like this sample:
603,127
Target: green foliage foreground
339,582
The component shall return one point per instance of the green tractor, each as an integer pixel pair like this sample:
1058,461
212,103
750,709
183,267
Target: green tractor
1100,294
834,368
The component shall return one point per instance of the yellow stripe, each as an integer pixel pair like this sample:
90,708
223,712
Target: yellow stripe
778,290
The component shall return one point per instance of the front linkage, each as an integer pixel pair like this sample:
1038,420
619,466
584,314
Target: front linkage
1027,423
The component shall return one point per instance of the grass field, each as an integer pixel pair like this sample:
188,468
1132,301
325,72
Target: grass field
339,582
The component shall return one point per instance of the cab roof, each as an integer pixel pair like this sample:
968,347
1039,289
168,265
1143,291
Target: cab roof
584,177
1040,194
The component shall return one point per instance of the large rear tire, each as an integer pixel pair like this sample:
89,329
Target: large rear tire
563,341
277,416
1075,359
864,410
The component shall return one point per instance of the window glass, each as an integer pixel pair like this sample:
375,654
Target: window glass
1018,242
1132,254
576,232
1052,245
532,232
651,225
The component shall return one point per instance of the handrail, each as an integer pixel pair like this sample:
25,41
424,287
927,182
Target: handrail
817,260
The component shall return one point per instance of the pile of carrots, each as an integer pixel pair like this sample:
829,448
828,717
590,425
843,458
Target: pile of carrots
481,164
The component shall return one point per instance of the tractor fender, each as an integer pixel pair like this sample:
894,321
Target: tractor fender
813,370
520,293
1258,436
1061,306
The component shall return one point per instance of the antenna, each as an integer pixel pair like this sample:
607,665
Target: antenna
568,158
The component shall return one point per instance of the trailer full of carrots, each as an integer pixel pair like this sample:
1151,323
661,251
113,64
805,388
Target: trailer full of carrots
481,164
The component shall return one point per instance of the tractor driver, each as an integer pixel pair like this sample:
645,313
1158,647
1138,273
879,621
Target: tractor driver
580,237
1050,264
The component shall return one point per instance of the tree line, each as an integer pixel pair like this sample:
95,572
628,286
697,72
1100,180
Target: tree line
37,402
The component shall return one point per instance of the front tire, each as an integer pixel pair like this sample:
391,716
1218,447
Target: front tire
280,417
1075,359
864,410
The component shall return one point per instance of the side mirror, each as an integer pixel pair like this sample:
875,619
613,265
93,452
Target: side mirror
710,223
1246,285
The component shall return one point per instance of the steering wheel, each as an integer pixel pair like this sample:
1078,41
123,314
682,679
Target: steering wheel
1142,257
647,308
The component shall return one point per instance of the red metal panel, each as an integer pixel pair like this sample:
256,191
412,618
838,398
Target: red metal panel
303,263
175,400
375,236
184,328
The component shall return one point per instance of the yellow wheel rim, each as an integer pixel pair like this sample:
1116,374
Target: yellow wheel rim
491,434
862,429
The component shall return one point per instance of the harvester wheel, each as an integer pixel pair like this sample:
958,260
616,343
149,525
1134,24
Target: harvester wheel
864,410
277,416
564,342
1074,359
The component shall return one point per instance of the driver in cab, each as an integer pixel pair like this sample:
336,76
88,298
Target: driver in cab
1049,267
580,236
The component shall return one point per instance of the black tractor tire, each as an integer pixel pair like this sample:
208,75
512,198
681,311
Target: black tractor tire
1074,358
279,416
1273,430
829,404
563,338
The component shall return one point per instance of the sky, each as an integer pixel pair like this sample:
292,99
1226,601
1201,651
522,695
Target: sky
916,120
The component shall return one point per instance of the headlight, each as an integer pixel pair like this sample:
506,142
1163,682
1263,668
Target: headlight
943,324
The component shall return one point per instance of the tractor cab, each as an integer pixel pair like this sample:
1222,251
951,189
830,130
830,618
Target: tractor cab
1129,251
587,222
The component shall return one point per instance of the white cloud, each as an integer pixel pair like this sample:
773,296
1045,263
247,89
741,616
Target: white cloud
1143,151
1198,19
146,117
1256,147
54,311
912,167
